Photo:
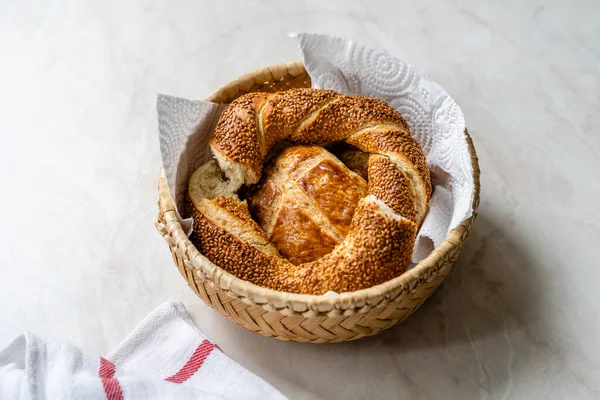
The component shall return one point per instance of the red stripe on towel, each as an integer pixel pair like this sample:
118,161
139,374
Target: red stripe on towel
193,364
112,388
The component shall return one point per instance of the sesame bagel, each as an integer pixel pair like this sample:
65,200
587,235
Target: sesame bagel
311,225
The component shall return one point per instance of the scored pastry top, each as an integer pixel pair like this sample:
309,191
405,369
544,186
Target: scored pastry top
305,201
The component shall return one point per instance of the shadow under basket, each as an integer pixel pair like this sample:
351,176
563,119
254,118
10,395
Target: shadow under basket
306,318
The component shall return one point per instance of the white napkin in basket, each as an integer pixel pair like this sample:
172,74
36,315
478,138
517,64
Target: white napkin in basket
434,118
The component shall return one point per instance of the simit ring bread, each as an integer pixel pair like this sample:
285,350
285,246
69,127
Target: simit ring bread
380,234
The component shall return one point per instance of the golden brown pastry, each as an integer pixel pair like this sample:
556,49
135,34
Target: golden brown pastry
305,202
347,252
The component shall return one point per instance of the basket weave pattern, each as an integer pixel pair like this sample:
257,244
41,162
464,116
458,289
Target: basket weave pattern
305,318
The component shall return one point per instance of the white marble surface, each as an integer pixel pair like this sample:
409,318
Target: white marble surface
519,316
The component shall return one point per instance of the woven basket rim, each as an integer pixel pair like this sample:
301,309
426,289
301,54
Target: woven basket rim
308,305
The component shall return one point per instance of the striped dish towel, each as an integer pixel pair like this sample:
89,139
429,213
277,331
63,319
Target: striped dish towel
165,357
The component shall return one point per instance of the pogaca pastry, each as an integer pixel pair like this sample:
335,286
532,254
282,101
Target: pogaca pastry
305,201
378,241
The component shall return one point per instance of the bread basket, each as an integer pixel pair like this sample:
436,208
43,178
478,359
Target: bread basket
306,318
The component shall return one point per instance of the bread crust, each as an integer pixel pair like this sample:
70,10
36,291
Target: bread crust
374,252
254,122
317,230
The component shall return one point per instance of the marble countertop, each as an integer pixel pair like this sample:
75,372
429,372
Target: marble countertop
80,260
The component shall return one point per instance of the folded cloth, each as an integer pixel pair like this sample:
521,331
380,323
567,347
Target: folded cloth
165,357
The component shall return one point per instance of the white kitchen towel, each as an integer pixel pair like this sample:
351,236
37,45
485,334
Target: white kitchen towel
165,357
434,118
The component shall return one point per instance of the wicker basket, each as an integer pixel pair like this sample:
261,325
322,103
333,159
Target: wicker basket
306,318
